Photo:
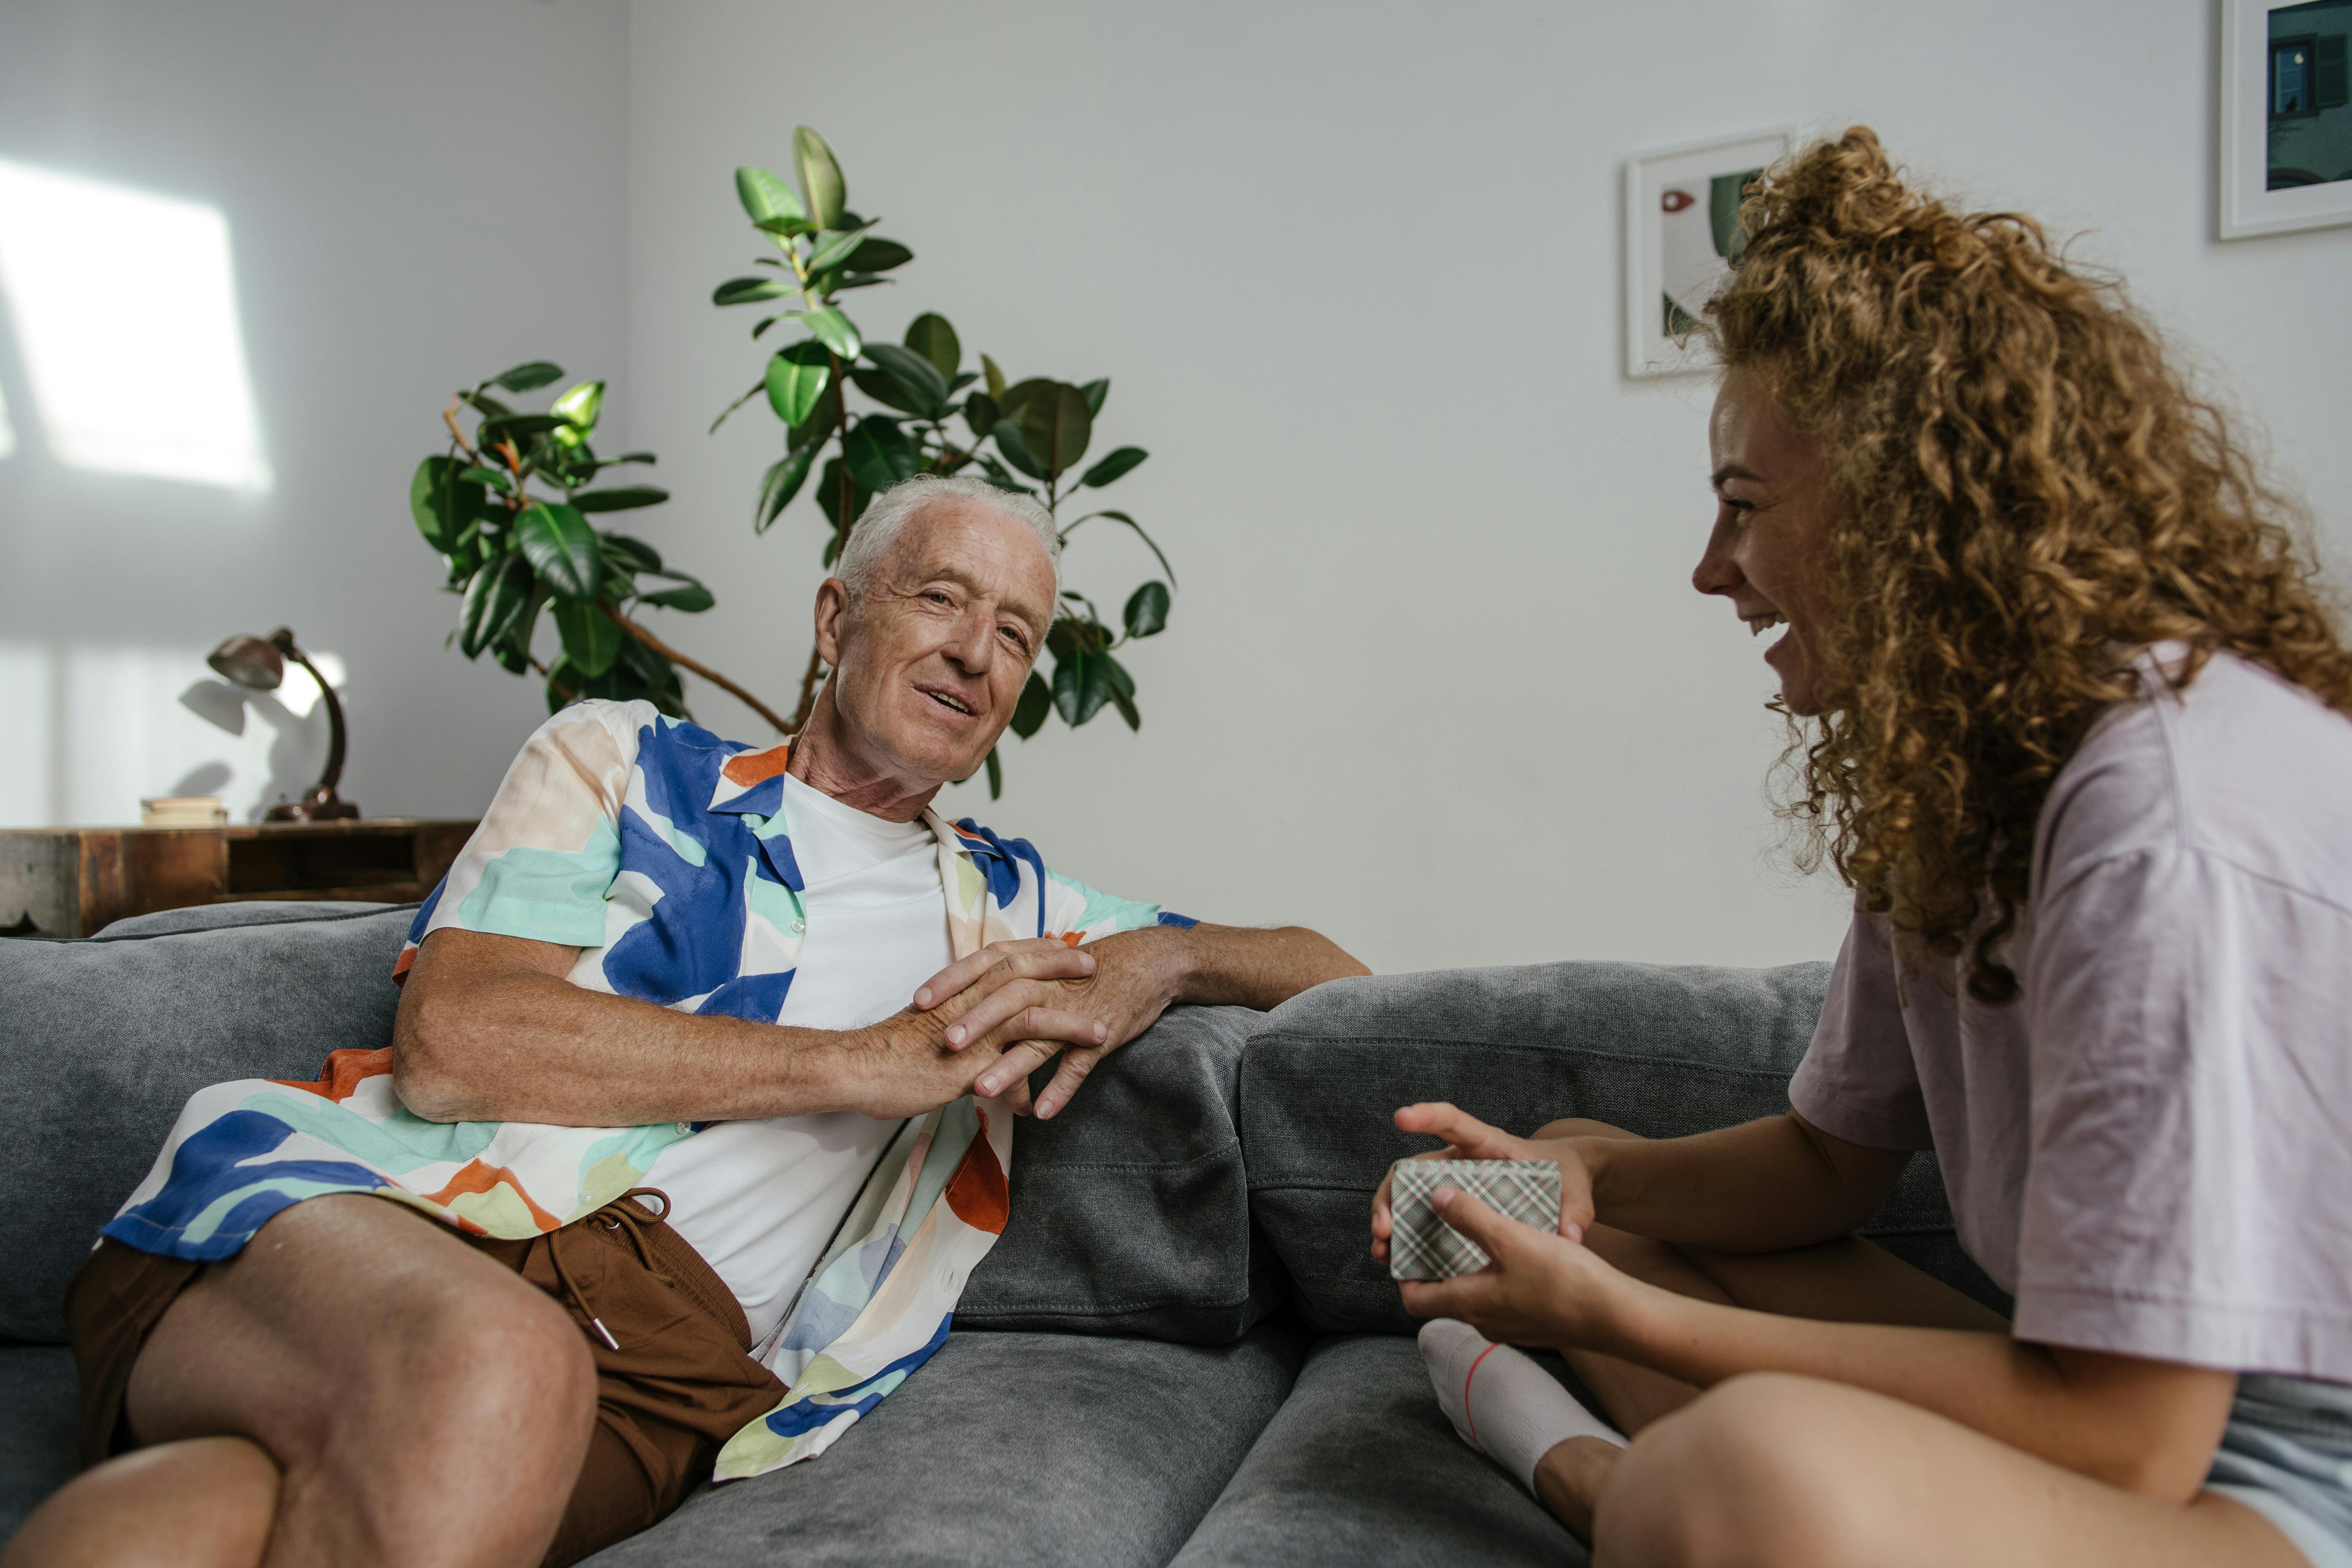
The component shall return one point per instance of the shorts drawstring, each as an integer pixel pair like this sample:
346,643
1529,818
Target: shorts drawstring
622,1214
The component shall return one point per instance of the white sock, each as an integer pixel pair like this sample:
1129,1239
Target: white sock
1501,1403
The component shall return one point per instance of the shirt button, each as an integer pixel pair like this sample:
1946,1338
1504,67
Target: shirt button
684,1128
799,926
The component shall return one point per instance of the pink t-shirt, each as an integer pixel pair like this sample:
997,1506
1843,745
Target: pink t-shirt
2151,1148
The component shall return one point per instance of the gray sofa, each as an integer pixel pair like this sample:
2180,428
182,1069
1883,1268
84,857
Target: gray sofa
1180,1352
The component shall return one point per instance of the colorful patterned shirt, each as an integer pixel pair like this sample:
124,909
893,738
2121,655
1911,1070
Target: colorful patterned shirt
661,852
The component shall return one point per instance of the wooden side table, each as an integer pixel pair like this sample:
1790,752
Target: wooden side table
72,882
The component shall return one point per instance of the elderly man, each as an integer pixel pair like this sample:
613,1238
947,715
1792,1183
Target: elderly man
694,1038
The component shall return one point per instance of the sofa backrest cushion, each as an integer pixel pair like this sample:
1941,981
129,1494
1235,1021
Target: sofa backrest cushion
1131,1208
1659,1051
102,1041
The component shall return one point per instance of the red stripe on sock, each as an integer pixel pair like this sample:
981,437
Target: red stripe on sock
1467,1416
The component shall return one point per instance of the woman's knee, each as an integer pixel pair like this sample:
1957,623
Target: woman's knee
1763,1472
1581,1127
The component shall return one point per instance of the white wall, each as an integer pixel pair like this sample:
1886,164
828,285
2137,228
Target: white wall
1436,682
415,194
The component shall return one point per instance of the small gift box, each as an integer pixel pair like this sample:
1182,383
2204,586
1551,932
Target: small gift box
1422,1245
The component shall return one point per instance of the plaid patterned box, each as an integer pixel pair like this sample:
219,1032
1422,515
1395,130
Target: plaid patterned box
1424,1246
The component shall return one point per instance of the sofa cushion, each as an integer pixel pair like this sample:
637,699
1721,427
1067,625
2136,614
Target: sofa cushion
1131,1208
1008,1449
1359,1470
1659,1051
212,917
40,1421
103,1040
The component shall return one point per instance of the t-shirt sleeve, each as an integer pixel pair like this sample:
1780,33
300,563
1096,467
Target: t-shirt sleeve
2190,1145
548,849
1858,1080
1078,913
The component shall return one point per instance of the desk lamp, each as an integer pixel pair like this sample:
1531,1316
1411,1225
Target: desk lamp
259,664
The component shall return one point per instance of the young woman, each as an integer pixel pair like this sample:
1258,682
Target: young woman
2079,741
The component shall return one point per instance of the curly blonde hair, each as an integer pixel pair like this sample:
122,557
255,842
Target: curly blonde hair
2029,491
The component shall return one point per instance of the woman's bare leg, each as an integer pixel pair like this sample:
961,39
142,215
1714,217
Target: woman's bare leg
204,1504
1770,1470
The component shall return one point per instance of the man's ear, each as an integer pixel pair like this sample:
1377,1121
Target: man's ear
832,609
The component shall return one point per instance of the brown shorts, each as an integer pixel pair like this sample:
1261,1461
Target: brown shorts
680,1385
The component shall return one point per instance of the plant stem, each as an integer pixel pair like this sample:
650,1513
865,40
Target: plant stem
704,671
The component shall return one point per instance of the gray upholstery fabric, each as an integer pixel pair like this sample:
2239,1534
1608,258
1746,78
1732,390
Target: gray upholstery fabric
1007,1450
1659,1051
40,1415
1360,1470
261,912
1131,1209
102,1042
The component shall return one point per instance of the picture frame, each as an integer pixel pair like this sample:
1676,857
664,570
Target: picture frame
2286,116
1681,212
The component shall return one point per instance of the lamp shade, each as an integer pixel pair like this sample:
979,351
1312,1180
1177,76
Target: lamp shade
250,662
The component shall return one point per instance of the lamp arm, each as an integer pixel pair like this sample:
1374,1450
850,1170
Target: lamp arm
335,770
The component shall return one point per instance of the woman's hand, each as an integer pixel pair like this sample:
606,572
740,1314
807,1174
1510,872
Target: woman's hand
1538,1289
1467,1138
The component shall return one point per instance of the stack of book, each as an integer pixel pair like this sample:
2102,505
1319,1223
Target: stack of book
183,811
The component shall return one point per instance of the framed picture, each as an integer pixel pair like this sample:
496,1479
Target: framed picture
1682,227
2286,116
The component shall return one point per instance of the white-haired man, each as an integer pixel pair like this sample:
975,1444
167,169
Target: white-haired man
682,1012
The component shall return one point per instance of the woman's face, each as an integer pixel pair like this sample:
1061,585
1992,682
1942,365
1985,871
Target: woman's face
1768,552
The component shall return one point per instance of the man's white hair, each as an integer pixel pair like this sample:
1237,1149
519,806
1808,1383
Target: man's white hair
876,533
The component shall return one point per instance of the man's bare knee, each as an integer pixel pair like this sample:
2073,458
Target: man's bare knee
1582,1127
204,1504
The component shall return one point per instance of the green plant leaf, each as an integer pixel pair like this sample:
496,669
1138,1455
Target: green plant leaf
691,598
488,408
1122,517
744,291
1056,427
833,249
580,406
765,197
626,457
1147,610
1036,702
525,377
931,335
630,554
756,387
440,517
879,255
821,180
496,596
563,549
592,639
882,389
995,776
823,421
980,412
878,453
834,331
1014,398
914,372
785,230
1081,686
1015,451
1118,464
518,426
481,475
782,482
1095,391
995,376
830,483
797,378
620,497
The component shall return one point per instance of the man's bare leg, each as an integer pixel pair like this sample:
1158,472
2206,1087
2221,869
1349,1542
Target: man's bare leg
204,1504
422,1404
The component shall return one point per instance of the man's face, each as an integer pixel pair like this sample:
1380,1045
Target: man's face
928,667
1774,508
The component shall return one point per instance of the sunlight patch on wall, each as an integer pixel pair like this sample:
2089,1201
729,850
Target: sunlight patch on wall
7,431
125,311
93,728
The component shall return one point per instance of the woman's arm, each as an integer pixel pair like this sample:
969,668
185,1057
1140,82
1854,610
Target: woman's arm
2148,1426
1762,1186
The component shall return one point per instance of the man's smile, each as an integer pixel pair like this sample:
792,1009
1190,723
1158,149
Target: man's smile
948,699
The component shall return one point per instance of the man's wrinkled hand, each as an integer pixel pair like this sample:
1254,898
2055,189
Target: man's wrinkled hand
1467,1138
903,1067
1031,1001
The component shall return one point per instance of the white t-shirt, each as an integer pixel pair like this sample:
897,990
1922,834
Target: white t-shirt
759,1200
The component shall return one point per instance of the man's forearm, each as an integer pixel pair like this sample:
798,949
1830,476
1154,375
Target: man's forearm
1241,966
1762,1186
